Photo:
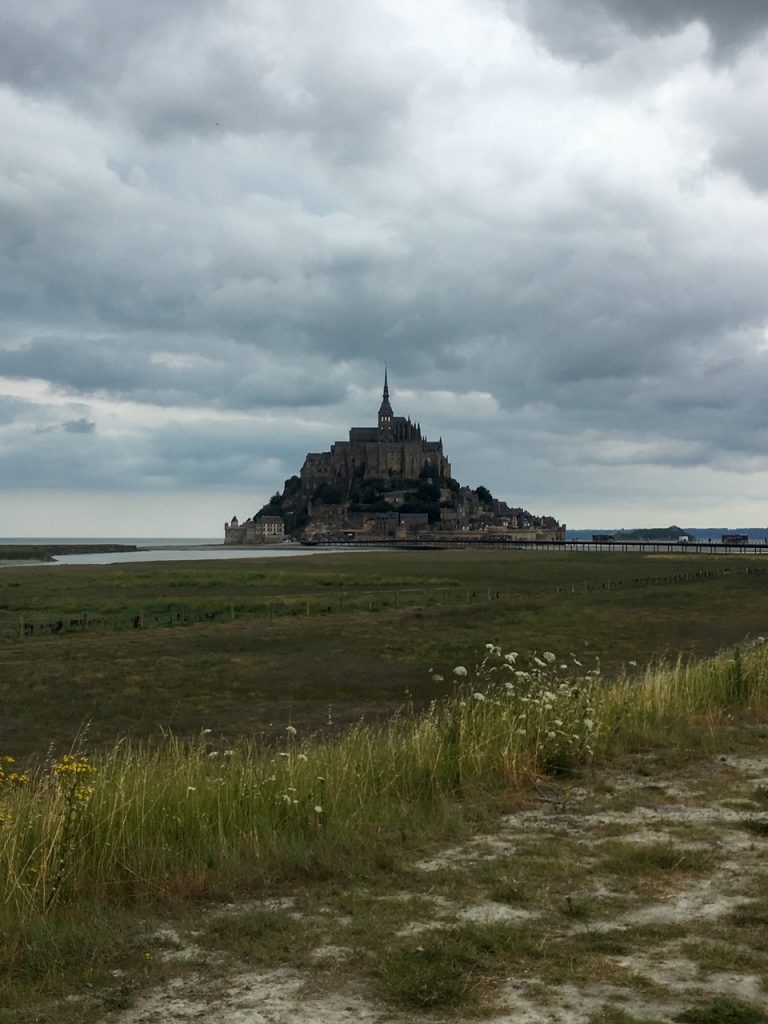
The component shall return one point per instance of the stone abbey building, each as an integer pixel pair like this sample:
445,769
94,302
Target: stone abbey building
386,482
393,448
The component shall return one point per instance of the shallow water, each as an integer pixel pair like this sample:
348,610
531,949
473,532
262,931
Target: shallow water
159,549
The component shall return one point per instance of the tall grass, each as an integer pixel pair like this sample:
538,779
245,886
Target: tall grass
142,824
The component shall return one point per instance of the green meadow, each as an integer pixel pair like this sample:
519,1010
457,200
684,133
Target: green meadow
246,647
195,736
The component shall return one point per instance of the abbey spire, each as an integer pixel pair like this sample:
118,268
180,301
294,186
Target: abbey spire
385,413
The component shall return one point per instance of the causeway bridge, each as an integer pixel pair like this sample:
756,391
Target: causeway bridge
499,542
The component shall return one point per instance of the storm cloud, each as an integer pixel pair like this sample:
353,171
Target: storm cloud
218,221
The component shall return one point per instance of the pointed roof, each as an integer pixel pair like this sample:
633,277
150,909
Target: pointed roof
385,409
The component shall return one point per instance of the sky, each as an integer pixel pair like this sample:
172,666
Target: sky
220,219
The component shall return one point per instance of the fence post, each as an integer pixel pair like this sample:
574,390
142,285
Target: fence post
21,627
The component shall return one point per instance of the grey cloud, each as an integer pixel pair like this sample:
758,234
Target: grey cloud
231,376
747,154
12,409
592,30
176,457
210,71
81,426
70,49
737,122
468,216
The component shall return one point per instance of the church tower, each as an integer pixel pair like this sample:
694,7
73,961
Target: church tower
385,414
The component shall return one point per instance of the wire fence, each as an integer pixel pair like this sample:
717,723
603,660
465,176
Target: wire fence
34,625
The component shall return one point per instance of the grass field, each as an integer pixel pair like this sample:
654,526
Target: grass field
246,648
633,826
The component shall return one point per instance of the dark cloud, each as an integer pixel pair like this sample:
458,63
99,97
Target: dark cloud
81,426
247,209
592,30
230,376
71,49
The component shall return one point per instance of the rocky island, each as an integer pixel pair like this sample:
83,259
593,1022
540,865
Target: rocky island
386,483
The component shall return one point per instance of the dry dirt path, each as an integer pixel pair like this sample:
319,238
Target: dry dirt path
639,892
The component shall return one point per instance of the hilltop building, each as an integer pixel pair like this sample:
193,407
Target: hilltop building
393,448
386,482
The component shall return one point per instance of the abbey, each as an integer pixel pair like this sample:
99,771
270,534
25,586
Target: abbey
386,482
393,448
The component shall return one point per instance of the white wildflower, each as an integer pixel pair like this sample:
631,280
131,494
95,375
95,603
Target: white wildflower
214,753
479,696
588,723
539,662
290,730
521,732
549,656
460,671
632,663
191,789
438,678
551,735
283,753
511,657
318,809
302,757
206,731
228,753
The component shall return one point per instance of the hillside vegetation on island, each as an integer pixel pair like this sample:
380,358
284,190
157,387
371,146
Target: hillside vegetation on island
331,507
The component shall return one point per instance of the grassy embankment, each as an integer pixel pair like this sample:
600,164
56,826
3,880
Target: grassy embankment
245,648
89,848
46,552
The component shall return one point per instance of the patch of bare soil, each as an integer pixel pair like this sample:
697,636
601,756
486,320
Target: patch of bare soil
642,892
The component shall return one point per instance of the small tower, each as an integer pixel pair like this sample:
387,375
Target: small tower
385,414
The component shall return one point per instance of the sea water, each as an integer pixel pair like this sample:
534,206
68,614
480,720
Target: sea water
160,549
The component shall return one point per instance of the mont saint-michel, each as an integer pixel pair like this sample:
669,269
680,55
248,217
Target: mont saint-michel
386,482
